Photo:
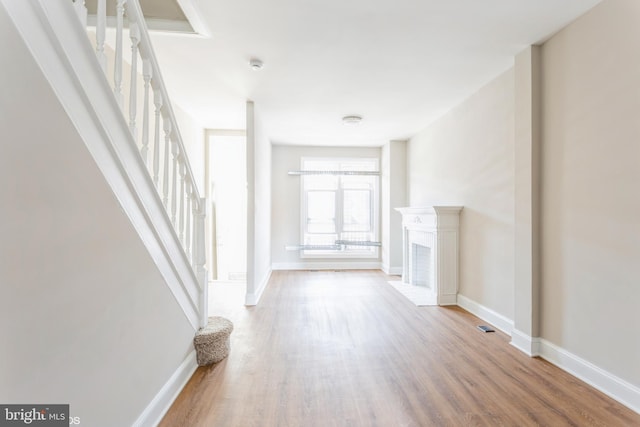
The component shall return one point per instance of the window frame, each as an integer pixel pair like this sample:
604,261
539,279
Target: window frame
339,210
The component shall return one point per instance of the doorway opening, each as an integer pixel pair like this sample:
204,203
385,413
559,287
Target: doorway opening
226,171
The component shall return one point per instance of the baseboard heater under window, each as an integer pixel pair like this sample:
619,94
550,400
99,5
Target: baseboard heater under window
339,245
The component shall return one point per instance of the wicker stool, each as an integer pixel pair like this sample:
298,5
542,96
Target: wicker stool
212,341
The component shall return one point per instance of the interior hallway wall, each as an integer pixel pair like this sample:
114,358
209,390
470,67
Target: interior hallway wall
259,192
393,195
590,196
467,158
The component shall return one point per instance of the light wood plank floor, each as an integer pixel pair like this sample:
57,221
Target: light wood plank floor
346,349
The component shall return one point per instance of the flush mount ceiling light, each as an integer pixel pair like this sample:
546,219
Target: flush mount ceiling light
351,120
255,64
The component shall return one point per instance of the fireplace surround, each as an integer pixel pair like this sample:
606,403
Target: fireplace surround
430,250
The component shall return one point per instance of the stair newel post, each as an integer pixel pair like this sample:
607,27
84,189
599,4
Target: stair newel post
187,233
165,176
157,102
101,25
81,10
201,259
117,71
146,75
182,159
175,150
134,34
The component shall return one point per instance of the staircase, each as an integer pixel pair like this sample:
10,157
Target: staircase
130,128
88,327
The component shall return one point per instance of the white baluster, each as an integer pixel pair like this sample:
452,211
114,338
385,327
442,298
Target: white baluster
157,102
174,182
194,240
117,72
101,25
201,259
182,204
187,233
165,177
146,75
134,34
188,213
81,10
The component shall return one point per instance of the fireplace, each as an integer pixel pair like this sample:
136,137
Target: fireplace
430,251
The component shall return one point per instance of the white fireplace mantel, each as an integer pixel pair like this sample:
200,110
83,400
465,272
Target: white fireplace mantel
436,229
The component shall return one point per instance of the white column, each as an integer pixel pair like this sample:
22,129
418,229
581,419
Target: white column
527,201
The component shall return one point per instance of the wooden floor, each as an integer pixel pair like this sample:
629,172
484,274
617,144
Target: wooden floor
346,349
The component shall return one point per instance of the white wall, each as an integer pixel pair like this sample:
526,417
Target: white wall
88,319
590,198
588,168
259,192
286,205
467,158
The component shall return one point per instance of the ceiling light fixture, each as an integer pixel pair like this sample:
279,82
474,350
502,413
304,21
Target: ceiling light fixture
255,64
351,120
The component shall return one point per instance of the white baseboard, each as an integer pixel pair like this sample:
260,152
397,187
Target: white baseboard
614,387
327,265
526,344
158,407
392,271
447,300
496,319
254,297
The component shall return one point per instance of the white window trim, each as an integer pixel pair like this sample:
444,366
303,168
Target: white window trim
375,254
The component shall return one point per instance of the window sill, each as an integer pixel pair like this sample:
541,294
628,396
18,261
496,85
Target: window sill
340,255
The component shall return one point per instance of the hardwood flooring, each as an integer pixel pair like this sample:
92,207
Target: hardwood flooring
346,349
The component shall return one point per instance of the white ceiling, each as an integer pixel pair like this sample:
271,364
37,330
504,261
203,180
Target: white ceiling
398,63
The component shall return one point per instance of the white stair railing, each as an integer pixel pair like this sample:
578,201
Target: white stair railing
169,166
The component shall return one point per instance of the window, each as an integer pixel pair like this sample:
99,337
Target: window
339,211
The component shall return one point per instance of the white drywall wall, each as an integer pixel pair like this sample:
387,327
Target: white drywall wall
467,158
590,196
258,205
